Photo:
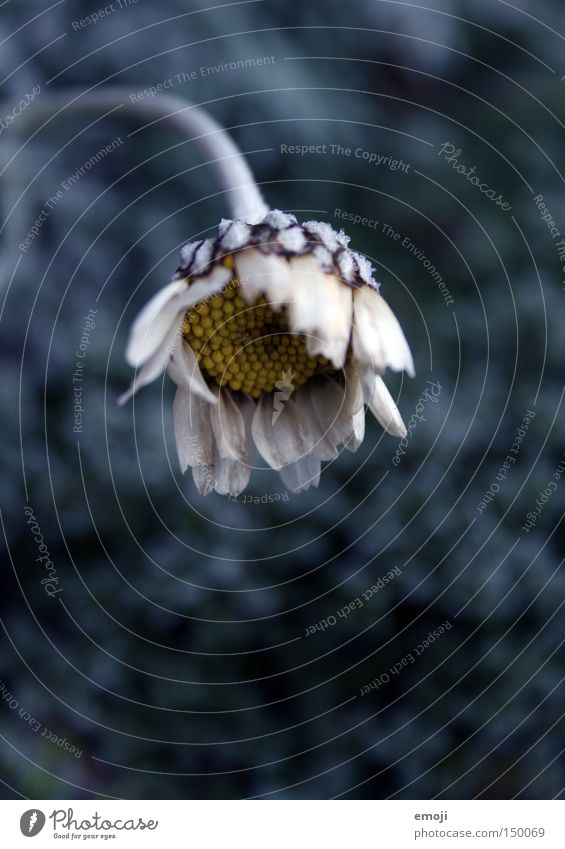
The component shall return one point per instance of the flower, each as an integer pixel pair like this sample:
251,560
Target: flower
276,336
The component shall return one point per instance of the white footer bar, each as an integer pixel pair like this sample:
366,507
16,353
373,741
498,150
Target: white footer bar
285,824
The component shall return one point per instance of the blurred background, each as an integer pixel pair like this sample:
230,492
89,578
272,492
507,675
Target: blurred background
174,653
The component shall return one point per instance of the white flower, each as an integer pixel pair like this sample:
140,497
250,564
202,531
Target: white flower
274,332
276,337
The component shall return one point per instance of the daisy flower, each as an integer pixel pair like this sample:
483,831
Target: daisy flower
276,336
274,332
263,310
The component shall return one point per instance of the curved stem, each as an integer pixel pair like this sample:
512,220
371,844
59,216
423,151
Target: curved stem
192,122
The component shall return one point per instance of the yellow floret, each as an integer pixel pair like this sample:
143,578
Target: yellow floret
248,347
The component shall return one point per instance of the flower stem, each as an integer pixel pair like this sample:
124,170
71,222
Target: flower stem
192,122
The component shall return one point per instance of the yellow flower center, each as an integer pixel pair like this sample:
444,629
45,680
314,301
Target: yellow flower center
248,347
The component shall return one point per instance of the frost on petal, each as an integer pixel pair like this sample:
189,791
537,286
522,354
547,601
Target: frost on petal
325,233
235,235
187,253
203,256
324,257
365,270
292,240
278,220
224,226
346,266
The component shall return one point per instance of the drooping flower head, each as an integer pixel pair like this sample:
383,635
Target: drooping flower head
273,331
276,336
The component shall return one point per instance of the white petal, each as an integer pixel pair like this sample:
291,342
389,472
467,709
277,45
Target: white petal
153,323
196,444
232,476
332,337
328,400
183,368
261,274
336,406
193,434
353,391
302,474
159,310
183,435
308,309
378,339
154,365
204,288
157,317
287,438
384,409
358,435
321,309
324,446
228,427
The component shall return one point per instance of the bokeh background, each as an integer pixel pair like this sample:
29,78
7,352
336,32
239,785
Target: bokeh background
176,657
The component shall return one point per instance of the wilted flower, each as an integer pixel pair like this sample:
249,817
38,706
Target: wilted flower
273,331
276,337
